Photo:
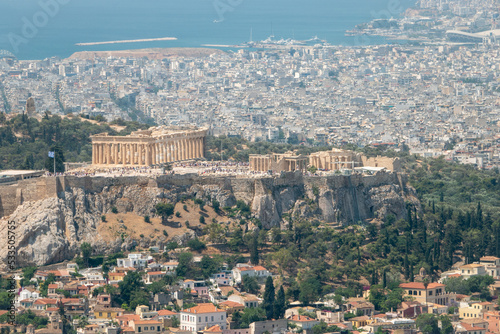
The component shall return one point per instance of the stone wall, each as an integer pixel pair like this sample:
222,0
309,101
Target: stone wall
246,189
11,196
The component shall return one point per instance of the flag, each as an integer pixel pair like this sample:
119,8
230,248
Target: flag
52,154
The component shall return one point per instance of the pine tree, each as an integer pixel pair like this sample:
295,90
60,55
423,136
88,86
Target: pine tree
268,303
280,304
412,278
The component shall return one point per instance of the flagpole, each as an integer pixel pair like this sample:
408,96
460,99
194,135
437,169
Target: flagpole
54,163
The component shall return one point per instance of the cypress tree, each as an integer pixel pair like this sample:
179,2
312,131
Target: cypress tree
268,302
280,304
384,279
406,267
254,250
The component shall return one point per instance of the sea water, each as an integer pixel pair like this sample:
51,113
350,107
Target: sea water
37,29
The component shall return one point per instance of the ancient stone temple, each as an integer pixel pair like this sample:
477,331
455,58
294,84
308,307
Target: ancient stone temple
287,162
149,147
335,159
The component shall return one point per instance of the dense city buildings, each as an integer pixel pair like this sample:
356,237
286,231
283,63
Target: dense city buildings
432,100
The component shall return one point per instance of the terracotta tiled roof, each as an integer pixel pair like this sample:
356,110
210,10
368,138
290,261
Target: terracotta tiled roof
469,327
108,309
454,275
230,303
70,300
259,268
147,322
203,308
45,301
472,265
301,318
213,329
129,317
420,285
153,273
166,312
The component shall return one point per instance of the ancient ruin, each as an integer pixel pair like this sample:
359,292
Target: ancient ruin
154,146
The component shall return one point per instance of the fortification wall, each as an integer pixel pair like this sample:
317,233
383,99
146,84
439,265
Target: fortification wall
11,196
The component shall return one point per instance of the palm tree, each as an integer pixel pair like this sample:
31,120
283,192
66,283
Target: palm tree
426,284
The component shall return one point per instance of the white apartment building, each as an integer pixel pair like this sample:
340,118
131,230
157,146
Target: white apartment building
202,316
245,269
134,260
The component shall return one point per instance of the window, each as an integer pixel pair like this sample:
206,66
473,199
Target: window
212,318
157,328
139,329
100,314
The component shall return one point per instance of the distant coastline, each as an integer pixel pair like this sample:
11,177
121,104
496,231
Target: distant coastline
129,41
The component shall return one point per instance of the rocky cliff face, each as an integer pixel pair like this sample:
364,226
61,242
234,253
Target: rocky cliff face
51,229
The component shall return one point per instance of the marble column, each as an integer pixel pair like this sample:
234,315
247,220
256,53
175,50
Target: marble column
202,147
116,154
168,151
192,147
165,152
122,153
149,152
152,153
197,148
183,149
139,154
175,150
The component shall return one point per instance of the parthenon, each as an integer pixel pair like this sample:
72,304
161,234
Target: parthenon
154,146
